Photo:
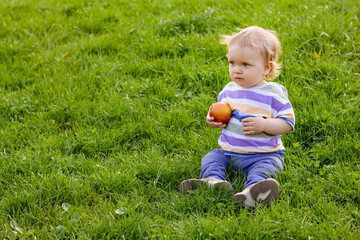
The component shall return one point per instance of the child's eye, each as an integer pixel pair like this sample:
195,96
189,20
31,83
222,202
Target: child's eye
232,63
246,64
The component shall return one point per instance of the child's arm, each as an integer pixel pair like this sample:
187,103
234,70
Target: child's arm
273,126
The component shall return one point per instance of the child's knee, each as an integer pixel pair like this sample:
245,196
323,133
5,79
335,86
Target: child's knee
214,157
264,171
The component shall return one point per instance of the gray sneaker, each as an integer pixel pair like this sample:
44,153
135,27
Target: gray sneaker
193,184
264,192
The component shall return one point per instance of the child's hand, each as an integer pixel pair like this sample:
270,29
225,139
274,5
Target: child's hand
253,125
210,121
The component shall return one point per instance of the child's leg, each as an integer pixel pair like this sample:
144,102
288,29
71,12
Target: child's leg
213,167
266,167
259,185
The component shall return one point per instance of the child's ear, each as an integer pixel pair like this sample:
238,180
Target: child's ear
268,66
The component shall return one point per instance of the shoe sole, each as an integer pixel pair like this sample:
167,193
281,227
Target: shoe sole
239,198
264,192
193,184
223,186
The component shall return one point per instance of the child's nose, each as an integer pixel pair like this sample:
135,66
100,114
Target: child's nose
238,69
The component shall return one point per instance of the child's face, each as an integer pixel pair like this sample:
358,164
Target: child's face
247,67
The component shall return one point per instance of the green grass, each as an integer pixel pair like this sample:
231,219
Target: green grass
103,107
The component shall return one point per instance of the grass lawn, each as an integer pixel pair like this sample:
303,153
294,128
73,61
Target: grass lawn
103,107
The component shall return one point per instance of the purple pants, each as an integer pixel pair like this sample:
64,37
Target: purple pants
256,166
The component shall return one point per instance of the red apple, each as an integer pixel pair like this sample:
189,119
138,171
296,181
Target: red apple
221,112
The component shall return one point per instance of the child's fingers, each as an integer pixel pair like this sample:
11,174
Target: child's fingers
217,124
249,132
214,124
209,119
247,123
249,119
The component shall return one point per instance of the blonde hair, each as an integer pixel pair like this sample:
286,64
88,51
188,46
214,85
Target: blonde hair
265,40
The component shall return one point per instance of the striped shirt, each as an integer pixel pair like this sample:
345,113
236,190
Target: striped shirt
269,100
